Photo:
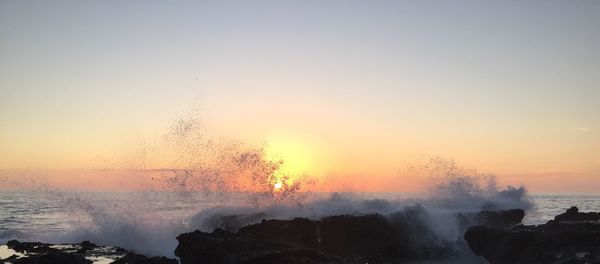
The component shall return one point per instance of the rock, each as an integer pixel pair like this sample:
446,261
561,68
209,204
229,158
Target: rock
498,219
84,246
485,241
27,246
10,259
41,253
576,240
300,256
232,223
132,258
336,239
53,257
369,236
221,246
573,214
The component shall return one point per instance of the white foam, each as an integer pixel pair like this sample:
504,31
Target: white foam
6,252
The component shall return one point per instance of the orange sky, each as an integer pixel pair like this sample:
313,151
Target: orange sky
353,96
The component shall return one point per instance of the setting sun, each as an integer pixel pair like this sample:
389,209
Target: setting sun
278,185
296,156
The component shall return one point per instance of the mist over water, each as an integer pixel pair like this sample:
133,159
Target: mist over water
217,183
431,219
148,222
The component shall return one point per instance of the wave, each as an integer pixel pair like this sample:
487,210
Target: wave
241,187
432,220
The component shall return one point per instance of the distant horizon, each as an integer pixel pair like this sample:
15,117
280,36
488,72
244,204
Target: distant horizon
78,179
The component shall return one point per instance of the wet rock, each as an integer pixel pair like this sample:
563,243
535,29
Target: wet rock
336,239
300,256
498,219
132,258
53,257
371,236
84,246
27,246
573,214
221,246
576,240
233,222
10,259
42,253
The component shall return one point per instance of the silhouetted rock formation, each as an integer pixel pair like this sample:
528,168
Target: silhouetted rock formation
573,214
224,247
42,253
370,236
27,246
498,219
234,222
132,258
335,239
572,237
52,256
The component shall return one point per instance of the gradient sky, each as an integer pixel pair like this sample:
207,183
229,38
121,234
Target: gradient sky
361,89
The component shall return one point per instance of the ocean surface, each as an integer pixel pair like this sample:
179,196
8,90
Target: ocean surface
148,222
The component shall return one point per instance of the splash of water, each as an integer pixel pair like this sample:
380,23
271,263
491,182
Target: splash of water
237,185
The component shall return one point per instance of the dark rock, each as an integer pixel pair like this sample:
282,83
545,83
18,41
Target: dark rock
481,239
418,239
224,247
369,236
133,258
87,244
573,214
42,253
10,259
498,219
232,223
84,246
27,246
335,239
559,241
53,257
300,256
413,224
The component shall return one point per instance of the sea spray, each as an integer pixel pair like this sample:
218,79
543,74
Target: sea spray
218,183
149,221
433,223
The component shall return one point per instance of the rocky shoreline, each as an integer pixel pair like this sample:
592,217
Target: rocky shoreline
337,239
497,236
572,237
82,253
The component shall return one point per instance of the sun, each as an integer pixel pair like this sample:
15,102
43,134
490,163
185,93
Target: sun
277,186
296,156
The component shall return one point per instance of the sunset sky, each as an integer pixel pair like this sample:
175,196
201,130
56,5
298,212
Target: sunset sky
350,92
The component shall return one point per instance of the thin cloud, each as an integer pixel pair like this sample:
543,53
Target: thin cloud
583,129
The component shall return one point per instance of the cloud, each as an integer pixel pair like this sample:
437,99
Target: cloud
582,129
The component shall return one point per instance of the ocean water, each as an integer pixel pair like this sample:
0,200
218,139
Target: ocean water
547,206
148,222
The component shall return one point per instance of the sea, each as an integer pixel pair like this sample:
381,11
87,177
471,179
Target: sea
148,222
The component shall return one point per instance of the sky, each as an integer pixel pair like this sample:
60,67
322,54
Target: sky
352,91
